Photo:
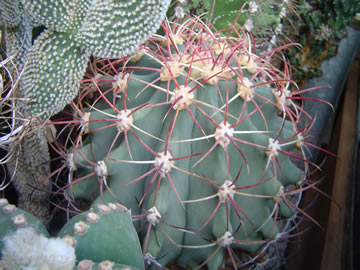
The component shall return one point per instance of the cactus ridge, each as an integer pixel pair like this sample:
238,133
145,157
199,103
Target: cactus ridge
203,141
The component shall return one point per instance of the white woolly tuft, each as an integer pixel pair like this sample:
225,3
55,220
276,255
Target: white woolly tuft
26,249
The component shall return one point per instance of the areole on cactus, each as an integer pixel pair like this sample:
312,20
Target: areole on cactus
206,148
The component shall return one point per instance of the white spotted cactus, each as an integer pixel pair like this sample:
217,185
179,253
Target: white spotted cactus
202,140
57,60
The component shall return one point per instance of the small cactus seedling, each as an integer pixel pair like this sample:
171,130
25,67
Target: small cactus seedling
12,218
26,244
203,140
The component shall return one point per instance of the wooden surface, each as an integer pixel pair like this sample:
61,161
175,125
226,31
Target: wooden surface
334,253
326,250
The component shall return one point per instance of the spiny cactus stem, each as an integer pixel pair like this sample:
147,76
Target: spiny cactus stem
225,240
226,191
101,169
171,70
201,87
154,219
273,148
222,134
244,89
159,173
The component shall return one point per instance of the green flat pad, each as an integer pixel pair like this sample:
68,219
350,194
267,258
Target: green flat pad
62,16
115,28
54,68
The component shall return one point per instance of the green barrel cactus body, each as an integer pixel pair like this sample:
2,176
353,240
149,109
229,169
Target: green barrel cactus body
201,139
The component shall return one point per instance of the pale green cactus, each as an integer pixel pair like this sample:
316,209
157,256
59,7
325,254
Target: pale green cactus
202,139
61,16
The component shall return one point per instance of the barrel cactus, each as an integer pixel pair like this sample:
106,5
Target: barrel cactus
202,139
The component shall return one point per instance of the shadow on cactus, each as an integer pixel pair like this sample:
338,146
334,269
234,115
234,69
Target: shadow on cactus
202,140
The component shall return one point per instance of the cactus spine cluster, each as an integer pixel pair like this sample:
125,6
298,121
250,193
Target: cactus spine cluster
202,140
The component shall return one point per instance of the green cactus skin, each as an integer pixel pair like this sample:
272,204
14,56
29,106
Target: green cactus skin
60,16
208,154
115,28
10,12
105,233
73,34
